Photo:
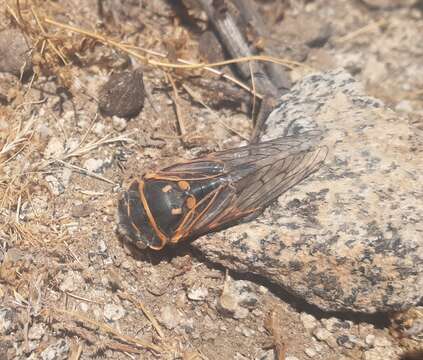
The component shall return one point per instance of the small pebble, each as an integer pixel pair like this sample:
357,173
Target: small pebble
102,247
127,265
82,210
309,321
119,124
310,352
54,148
73,281
36,332
8,321
198,293
370,339
404,106
241,313
84,307
267,355
325,335
331,324
263,290
113,312
170,317
247,332
345,341
57,351
55,186
94,165
381,341
122,95
99,129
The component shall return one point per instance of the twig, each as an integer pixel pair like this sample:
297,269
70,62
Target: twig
85,171
146,312
108,329
72,253
75,355
272,325
183,64
83,299
44,33
179,117
365,29
21,136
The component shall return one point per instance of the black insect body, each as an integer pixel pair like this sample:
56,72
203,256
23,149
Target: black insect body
190,199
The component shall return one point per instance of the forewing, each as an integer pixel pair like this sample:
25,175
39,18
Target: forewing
262,172
255,175
274,176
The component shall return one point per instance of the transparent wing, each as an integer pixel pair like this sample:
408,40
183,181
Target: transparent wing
251,178
262,172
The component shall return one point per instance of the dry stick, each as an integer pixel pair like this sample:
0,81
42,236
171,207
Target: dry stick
249,14
44,33
365,29
83,299
77,354
253,84
235,43
146,312
207,68
179,118
109,330
84,171
184,64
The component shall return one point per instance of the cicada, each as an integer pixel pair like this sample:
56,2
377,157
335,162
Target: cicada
221,189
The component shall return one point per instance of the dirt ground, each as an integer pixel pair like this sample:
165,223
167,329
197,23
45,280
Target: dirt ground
69,288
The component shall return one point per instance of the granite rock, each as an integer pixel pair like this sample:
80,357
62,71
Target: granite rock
348,238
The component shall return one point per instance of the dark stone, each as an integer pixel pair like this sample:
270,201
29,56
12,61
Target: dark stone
122,95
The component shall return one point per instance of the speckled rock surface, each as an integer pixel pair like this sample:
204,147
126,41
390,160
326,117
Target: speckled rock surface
350,237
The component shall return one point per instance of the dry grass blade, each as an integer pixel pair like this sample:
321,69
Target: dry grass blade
273,326
145,311
288,63
23,134
179,117
364,30
86,172
107,329
82,150
183,64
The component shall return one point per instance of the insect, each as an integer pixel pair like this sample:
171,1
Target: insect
190,199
